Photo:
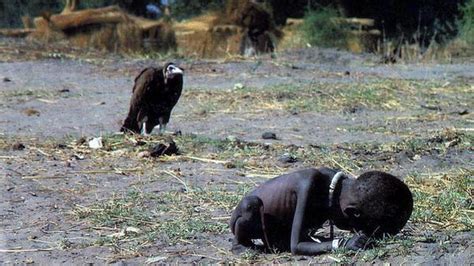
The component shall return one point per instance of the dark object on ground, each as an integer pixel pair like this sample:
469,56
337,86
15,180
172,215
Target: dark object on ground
463,112
161,149
280,210
31,112
155,93
347,73
64,90
140,143
353,109
5,79
269,135
288,158
177,133
18,146
61,146
388,59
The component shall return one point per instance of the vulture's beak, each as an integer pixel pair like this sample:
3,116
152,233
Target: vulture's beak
176,70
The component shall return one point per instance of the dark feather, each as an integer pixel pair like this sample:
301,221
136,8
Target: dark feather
152,100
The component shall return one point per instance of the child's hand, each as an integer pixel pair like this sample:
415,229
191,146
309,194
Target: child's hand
357,242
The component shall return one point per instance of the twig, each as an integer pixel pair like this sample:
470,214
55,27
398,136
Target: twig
205,160
177,178
43,176
41,151
205,256
8,157
104,171
334,259
25,250
342,167
268,176
220,218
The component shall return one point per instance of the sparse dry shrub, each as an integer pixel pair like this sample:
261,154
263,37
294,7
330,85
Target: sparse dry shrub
161,38
129,37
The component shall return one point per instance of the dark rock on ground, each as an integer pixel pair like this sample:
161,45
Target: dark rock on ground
288,158
269,135
18,146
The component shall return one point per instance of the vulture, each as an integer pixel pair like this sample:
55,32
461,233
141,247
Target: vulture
155,93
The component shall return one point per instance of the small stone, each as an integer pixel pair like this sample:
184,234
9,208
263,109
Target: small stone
31,112
269,135
144,154
18,146
238,86
232,138
78,156
347,73
463,112
139,142
61,146
81,141
230,165
288,158
5,79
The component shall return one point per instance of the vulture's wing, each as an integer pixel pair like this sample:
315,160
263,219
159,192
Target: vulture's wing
140,102
141,75
145,85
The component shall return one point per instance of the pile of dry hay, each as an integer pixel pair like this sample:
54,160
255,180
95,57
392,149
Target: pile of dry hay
108,28
243,27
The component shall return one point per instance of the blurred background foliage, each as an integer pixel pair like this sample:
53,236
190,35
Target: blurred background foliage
424,20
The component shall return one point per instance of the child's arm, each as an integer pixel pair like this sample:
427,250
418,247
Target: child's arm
358,241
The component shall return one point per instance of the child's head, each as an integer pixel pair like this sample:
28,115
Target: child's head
378,203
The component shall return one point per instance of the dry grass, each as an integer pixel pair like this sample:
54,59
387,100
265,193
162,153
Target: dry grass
379,95
161,205
131,221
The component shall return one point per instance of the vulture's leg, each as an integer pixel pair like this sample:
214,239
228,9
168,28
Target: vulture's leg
143,131
162,129
162,123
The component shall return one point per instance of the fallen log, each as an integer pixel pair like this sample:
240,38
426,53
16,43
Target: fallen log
108,28
112,14
16,33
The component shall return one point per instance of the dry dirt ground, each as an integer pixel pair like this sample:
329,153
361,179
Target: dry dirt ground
64,202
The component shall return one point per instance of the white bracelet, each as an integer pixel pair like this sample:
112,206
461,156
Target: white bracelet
335,244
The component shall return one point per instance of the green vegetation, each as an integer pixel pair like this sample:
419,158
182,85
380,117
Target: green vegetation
386,94
444,199
466,23
320,28
137,217
12,10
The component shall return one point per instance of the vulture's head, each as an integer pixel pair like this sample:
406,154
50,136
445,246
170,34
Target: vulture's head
171,72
